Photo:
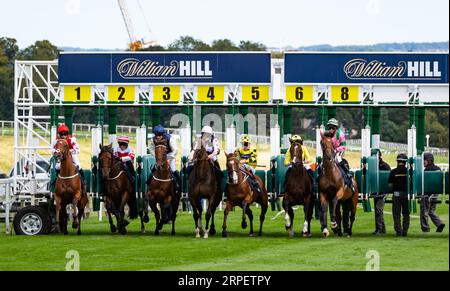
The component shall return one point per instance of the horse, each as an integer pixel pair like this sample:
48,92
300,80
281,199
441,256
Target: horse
68,190
162,190
117,189
239,193
332,188
203,184
298,192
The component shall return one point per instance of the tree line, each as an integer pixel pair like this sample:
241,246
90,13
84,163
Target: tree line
394,123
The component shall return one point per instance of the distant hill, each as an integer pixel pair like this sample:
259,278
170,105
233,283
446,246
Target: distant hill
382,47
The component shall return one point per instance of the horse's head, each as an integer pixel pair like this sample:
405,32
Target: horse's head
232,168
200,154
326,143
161,154
61,149
106,159
296,152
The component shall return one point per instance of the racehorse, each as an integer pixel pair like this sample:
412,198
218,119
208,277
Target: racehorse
68,190
203,184
333,189
162,190
117,189
239,193
298,191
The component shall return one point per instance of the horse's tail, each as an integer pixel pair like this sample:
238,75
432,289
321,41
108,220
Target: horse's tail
132,204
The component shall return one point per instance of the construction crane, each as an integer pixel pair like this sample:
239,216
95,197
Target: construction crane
135,43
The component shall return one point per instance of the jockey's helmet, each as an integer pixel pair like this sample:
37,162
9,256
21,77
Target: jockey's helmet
159,130
207,129
332,123
246,139
296,138
123,140
402,157
63,129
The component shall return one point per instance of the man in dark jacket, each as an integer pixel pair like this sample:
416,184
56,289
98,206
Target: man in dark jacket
428,202
398,183
380,227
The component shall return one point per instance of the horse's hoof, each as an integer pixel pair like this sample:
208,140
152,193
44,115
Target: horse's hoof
146,219
325,232
206,235
156,232
244,224
224,234
113,229
333,224
251,234
335,231
143,231
306,234
172,233
66,233
259,233
79,232
74,225
291,233
212,231
123,231
339,233
287,227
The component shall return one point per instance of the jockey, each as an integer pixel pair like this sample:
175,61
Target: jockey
126,155
248,159
339,144
306,157
212,146
160,134
74,148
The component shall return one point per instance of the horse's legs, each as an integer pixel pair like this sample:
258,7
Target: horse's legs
81,206
63,219
155,210
217,201
225,217
244,222
208,215
175,203
195,207
338,229
262,216
334,203
57,210
108,205
75,222
308,210
289,217
249,213
345,215
354,206
323,213
123,221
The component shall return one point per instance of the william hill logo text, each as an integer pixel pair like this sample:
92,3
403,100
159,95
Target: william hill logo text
135,69
363,69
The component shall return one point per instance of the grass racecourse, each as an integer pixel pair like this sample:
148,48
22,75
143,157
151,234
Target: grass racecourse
100,250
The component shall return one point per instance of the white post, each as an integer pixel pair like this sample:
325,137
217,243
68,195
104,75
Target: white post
7,207
141,141
96,133
186,141
275,141
365,142
230,137
412,149
318,139
428,140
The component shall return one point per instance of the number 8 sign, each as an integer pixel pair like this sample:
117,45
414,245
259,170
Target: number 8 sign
345,94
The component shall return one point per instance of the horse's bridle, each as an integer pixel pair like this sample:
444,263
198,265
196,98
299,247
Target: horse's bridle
236,172
294,158
160,166
112,165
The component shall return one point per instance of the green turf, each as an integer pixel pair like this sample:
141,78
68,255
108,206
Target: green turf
100,250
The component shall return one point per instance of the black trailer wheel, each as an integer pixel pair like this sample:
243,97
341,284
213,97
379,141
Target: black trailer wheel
32,220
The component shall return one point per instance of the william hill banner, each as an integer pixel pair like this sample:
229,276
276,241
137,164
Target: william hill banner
362,68
77,68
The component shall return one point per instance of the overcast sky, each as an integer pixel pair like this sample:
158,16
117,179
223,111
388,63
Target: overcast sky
276,23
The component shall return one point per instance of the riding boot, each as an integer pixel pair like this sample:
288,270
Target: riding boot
81,173
56,178
255,184
150,177
348,177
177,179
